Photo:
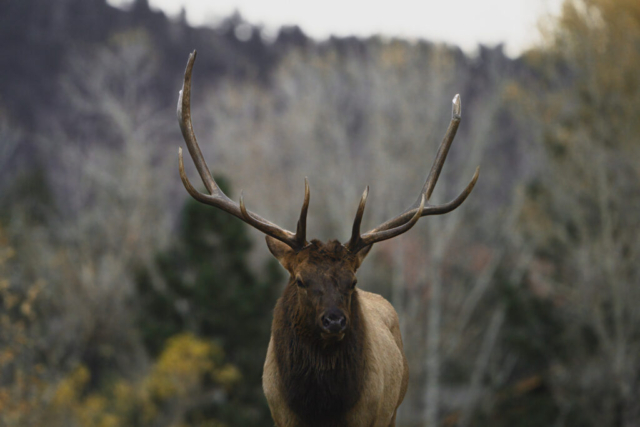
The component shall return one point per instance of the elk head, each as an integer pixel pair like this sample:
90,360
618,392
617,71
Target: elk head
322,275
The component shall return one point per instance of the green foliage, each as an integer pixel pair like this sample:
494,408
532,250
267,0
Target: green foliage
28,194
210,290
532,340
535,328
522,409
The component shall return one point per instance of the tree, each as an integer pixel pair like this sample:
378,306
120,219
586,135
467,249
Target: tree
210,289
581,214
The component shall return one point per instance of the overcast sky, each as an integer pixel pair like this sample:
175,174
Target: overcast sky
465,23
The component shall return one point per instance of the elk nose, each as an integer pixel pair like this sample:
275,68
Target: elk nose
334,321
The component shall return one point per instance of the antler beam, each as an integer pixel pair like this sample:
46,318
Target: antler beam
216,196
420,207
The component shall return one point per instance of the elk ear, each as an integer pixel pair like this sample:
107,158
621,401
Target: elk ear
361,255
280,250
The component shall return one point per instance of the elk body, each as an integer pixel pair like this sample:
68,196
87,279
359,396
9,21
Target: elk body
335,358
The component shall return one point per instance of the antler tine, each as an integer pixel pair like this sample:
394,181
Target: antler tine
216,196
267,228
434,174
355,231
296,241
184,119
370,238
301,229
443,150
202,198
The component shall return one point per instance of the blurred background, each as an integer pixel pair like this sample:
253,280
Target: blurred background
125,303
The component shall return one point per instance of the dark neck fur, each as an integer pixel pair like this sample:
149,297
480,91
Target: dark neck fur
321,381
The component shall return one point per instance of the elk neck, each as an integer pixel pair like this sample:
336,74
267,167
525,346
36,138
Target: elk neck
321,380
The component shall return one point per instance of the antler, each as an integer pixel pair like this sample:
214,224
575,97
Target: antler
216,196
420,207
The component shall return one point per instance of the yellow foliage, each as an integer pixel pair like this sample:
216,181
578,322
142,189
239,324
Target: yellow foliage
181,366
591,102
599,40
187,368
70,388
227,376
22,390
177,376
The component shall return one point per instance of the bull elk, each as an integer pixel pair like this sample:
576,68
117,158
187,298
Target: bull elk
335,358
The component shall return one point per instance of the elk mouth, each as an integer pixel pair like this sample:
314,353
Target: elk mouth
333,324
332,336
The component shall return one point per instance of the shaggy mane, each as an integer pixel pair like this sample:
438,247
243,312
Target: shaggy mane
321,381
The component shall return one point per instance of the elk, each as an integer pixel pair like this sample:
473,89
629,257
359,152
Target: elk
335,358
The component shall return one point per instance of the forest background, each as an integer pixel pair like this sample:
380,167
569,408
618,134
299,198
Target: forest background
124,303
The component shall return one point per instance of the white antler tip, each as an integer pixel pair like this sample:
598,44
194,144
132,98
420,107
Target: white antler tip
457,107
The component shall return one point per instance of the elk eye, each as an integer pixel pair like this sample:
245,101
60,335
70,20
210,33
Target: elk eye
300,283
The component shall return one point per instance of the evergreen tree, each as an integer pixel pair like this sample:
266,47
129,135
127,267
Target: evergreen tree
211,291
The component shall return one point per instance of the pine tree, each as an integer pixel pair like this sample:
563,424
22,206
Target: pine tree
212,292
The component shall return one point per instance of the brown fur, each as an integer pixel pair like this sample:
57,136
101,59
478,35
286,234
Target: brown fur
321,381
357,380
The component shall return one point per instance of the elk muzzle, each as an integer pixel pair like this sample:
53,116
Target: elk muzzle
333,323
